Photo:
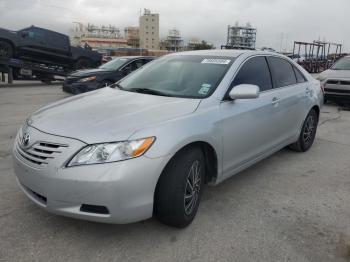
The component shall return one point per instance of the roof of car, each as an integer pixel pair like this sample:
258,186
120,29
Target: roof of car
222,52
133,57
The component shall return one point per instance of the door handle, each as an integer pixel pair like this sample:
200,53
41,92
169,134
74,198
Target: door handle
307,91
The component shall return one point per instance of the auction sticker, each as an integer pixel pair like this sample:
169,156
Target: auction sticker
216,61
205,88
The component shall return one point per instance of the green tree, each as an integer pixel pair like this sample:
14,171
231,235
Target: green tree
203,45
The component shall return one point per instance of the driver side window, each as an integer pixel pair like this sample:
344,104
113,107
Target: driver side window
36,34
255,71
135,65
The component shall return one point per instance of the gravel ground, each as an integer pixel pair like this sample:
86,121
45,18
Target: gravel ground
289,207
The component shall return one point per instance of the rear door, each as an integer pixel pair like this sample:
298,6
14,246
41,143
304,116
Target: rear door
249,125
290,95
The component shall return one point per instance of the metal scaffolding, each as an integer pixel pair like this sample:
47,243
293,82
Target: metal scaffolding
240,37
316,56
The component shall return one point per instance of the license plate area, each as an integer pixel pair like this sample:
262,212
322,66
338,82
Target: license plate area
26,72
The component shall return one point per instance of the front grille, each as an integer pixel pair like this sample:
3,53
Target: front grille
40,153
39,197
333,82
342,91
94,209
338,82
345,83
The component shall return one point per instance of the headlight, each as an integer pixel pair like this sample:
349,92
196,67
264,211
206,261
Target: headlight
111,152
86,79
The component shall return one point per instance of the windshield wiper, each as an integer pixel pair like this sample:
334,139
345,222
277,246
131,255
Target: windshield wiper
148,91
117,85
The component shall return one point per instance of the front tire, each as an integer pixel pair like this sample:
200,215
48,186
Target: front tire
179,188
307,134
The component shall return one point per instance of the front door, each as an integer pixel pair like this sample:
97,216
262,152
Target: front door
249,125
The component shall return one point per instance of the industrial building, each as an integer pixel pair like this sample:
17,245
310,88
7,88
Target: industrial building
97,36
149,30
173,42
132,36
240,37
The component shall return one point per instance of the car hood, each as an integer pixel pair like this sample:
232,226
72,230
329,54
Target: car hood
108,114
89,72
336,74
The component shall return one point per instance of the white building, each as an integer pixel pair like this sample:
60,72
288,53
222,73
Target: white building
149,30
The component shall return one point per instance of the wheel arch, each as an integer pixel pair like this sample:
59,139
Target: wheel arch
317,109
211,164
210,156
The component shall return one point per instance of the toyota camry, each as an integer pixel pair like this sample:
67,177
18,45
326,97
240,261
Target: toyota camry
146,145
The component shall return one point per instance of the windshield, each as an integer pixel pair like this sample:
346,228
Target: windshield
342,64
190,76
114,64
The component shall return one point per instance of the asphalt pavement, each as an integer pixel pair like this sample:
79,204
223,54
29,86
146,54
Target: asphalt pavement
289,207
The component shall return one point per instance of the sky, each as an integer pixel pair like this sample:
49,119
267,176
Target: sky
279,22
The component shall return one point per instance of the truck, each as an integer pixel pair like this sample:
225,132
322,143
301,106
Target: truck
45,47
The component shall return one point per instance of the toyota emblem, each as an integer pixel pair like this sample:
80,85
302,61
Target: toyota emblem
25,139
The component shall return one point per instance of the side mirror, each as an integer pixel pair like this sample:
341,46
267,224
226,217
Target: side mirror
244,91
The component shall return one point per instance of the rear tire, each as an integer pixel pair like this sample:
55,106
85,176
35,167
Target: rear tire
6,50
179,188
307,134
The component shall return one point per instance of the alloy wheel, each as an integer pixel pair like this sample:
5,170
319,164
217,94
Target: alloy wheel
193,187
309,129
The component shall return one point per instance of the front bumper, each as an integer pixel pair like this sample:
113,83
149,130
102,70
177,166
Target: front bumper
125,188
337,89
78,88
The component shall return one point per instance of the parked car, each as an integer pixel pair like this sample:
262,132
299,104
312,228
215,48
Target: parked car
46,46
147,144
336,81
91,79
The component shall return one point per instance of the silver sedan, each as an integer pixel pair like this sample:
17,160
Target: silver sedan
147,144
336,81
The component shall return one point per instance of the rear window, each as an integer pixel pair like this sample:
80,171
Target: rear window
300,77
282,72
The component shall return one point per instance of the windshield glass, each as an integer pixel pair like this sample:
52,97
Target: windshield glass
190,76
342,64
114,64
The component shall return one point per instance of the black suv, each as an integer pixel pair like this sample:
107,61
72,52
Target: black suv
46,46
90,79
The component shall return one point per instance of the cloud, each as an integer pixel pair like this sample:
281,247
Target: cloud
279,22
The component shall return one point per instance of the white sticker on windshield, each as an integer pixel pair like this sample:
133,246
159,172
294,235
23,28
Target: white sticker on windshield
216,61
204,89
